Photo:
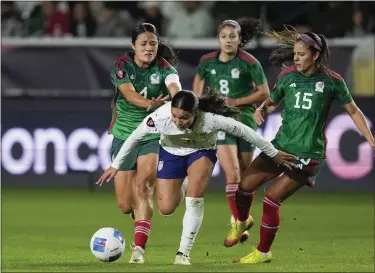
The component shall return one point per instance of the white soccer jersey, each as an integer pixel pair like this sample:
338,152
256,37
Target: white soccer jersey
201,135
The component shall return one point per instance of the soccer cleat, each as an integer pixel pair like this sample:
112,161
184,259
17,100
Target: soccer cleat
244,237
237,230
255,257
181,259
138,255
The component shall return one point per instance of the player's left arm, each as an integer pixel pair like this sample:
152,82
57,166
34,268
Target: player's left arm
262,91
344,97
360,121
172,81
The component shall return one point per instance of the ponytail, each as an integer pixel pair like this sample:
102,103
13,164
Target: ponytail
214,103
166,52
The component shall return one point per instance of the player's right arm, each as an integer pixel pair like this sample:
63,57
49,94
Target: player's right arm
200,75
270,104
145,128
120,80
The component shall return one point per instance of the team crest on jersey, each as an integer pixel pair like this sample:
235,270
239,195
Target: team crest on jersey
319,86
235,73
160,166
155,79
120,74
213,72
150,122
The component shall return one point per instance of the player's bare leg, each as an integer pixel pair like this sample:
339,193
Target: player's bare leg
144,187
168,195
199,175
228,158
258,173
275,195
124,191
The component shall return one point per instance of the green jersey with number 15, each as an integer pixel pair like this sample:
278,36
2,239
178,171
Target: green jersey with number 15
234,78
307,100
148,82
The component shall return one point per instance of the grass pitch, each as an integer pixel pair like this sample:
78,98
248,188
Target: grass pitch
50,230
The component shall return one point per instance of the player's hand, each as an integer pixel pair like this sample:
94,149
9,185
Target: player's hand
107,176
282,158
231,102
259,116
154,103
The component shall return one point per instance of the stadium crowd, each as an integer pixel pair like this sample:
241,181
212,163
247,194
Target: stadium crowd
188,19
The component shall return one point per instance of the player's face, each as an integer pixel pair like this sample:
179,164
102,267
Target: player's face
229,39
146,47
304,59
182,119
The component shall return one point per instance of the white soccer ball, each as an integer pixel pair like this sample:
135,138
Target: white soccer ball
107,244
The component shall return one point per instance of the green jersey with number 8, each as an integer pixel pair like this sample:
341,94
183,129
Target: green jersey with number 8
148,82
234,79
307,100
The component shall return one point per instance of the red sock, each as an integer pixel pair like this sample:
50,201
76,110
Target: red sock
243,203
230,190
142,231
270,223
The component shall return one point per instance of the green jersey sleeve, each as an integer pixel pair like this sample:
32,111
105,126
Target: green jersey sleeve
342,93
119,76
277,93
257,74
201,70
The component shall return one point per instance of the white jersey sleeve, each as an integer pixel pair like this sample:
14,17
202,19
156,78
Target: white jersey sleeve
238,129
150,125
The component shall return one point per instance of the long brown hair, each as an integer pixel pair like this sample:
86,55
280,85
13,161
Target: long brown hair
283,56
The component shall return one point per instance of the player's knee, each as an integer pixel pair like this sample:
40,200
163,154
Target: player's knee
125,207
232,176
143,187
166,210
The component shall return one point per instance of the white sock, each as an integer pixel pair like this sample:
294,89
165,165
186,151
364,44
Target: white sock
183,190
191,223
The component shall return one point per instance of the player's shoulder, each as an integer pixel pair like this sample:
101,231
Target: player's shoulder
163,63
247,57
287,71
332,74
124,59
163,111
209,56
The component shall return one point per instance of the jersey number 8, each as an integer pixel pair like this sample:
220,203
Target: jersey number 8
306,101
224,89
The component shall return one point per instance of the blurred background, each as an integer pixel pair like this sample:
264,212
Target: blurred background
56,91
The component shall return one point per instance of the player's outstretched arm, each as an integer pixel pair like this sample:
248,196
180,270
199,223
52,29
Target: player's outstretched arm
360,121
231,126
172,81
137,135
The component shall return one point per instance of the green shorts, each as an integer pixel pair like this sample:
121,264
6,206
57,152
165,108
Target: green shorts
305,172
142,148
228,139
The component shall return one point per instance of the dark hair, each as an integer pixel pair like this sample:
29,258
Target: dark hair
212,103
165,51
283,56
248,28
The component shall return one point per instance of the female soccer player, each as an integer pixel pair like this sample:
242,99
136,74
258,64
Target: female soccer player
234,73
144,80
188,128
308,89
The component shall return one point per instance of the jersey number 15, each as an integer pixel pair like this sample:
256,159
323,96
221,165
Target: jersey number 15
306,101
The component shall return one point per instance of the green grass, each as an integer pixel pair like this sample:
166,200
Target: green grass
50,230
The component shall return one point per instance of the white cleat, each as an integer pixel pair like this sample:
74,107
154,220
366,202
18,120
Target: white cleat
181,259
138,255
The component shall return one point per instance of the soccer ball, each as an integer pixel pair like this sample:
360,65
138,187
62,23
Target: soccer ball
107,244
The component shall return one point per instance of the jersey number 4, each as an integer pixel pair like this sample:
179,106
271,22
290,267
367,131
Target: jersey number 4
143,92
306,101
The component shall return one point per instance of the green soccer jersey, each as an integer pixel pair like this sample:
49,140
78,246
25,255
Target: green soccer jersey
307,100
234,79
148,82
